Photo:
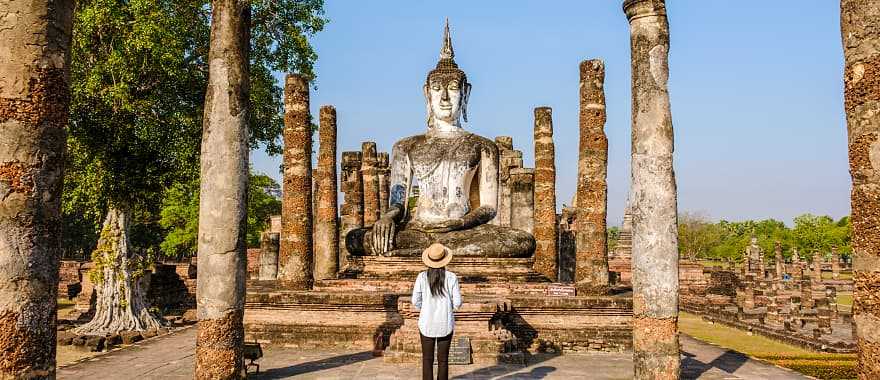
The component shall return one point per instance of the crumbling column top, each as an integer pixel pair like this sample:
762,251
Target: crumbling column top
642,8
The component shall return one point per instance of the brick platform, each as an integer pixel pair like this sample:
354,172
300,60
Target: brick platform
505,316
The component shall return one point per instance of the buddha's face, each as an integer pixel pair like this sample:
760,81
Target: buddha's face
446,97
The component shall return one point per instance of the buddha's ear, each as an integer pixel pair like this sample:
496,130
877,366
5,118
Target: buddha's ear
465,95
427,94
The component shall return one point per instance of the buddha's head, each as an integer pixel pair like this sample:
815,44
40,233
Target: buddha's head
446,88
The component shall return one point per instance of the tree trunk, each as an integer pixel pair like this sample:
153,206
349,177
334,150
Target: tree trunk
34,97
118,275
223,201
655,228
860,28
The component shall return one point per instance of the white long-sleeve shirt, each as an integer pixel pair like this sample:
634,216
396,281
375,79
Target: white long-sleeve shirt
435,313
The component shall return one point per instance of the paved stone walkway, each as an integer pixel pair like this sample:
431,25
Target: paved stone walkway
171,357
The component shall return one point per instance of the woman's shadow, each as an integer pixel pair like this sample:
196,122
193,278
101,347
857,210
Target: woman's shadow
536,373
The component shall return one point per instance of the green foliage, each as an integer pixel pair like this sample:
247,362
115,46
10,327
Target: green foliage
613,236
180,217
138,79
700,238
180,214
263,202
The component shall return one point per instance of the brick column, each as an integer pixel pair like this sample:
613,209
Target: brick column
269,255
326,238
655,235
295,255
780,262
859,21
383,171
522,199
369,170
353,200
835,263
545,194
591,266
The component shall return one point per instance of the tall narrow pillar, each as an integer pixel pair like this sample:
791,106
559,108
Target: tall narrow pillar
326,238
522,199
780,262
860,28
369,170
591,266
222,249
384,173
655,235
295,257
835,263
269,256
353,200
34,97
545,194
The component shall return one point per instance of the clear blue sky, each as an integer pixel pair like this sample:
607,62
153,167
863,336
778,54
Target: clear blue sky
756,91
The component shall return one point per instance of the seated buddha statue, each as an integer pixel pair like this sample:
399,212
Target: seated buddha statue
457,174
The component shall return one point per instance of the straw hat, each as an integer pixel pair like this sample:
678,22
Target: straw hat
436,256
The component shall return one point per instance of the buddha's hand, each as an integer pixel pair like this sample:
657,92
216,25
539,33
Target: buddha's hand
444,226
383,235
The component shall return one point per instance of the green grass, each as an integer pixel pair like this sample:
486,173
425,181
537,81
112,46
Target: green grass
812,363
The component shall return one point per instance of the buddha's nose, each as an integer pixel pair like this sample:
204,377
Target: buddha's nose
444,94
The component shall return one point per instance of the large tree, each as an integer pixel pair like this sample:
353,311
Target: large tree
35,37
139,74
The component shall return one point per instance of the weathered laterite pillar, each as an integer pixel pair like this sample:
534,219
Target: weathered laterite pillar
780,262
295,258
860,28
384,173
591,266
835,263
269,255
326,238
222,256
353,200
370,171
34,97
545,194
655,235
522,199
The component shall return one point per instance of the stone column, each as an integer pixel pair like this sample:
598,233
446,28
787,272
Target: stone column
522,199
859,21
591,267
835,263
295,257
780,262
222,263
545,194
34,97
353,200
369,170
269,255
384,173
655,235
817,267
508,158
326,237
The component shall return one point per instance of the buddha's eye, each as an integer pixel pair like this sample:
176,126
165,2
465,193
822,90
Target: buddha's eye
435,87
453,85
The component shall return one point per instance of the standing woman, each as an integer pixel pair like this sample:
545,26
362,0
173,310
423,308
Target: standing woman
436,295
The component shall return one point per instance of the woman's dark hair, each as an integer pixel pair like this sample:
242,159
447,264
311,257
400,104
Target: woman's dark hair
436,279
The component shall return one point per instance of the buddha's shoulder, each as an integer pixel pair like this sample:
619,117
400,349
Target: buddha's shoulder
477,139
407,142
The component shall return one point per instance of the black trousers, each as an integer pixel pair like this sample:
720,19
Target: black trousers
442,357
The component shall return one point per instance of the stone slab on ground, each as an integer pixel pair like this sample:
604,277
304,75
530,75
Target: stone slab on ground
171,357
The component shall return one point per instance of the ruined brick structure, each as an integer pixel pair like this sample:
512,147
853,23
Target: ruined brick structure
295,255
545,194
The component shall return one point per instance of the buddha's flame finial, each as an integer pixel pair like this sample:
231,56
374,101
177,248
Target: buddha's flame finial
446,51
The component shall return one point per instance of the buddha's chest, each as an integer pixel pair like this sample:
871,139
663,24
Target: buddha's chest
445,160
